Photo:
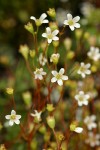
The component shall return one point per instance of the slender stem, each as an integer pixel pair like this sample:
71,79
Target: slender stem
58,148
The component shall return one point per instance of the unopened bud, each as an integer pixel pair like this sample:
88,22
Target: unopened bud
9,91
29,27
24,49
54,58
50,107
51,122
51,12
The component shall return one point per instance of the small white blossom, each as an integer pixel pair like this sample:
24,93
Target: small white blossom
13,118
59,77
37,115
41,20
39,73
94,53
72,22
50,35
93,139
78,130
90,122
84,69
54,58
42,59
82,98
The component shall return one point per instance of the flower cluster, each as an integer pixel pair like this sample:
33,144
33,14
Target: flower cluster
55,89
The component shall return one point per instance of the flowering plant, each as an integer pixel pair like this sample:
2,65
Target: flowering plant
61,105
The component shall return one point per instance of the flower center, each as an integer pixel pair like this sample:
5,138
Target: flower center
50,36
38,22
58,76
70,22
81,98
82,69
13,117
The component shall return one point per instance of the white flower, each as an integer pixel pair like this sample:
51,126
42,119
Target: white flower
40,20
84,69
42,59
90,122
51,35
72,22
78,129
94,53
59,77
39,73
37,115
54,58
93,139
82,98
13,118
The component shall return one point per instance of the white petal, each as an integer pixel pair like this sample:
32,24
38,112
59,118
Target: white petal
83,75
88,72
54,72
88,65
69,16
93,117
55,38
72,28
85,102
76,19
53,80
76,97
77,25
43,16
44,35
17,121
61,71
80,103
43,73
33,18
45,21
55,32
32,114
7,116
49,41
48,30
81,93
40,77
11,123
78,130
66,22
13,112
65,77
18,116
60,82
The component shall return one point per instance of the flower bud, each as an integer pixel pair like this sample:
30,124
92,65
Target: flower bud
78,33
27,98
51,12
29,27
50,107
2,147
9,91
24,49
70,55
54,58
55,43
51,122
68,43
42,129
32,53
